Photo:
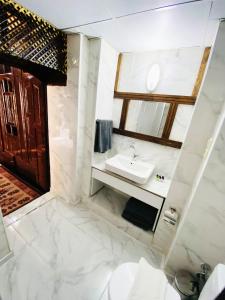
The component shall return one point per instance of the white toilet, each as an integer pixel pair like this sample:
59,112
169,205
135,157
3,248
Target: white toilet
123,278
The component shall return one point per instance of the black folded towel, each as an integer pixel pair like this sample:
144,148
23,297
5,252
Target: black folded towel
140,213
103,135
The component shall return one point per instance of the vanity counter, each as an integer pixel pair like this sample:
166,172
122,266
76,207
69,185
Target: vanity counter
153,186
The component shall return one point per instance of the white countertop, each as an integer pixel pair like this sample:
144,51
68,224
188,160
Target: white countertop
153,186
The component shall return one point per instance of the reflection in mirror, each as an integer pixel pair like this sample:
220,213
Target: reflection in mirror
117,109
147,117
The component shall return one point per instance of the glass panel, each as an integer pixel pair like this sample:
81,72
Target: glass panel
147,117
117,108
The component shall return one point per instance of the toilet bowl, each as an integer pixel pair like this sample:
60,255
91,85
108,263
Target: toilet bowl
122,281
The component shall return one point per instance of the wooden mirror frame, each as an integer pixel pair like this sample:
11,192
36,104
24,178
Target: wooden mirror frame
173,100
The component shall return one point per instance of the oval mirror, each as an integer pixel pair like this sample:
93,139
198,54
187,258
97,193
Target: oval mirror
153,77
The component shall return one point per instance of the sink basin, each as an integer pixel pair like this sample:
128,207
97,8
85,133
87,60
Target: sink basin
134,170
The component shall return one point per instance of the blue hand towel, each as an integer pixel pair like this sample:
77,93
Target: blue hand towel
103,135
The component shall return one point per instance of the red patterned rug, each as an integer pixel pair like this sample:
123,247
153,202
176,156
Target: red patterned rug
13,192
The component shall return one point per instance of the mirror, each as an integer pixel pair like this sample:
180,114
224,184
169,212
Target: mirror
147,117
161,119
155,93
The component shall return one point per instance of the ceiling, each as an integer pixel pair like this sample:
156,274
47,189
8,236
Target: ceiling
136,25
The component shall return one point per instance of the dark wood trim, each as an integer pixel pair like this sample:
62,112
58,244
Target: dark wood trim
170,120
148,138
124,113
190,100
118,71
201,71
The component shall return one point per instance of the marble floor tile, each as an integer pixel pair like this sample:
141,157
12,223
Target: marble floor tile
24,276
65,252
19,213
80,264
76,215
16,243
120,243
110,237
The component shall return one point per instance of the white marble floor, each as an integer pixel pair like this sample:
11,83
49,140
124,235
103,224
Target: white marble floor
64,252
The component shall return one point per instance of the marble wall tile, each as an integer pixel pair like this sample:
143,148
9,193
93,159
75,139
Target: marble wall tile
102,61
72,111
89,129
83,136
206,114
179,69
200,236
63,117
106,81
164,158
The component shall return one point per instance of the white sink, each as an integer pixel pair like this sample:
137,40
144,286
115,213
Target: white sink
134,170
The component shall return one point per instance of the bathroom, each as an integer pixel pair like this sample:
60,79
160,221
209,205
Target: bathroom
72,242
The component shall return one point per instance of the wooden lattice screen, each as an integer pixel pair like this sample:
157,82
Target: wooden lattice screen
28,41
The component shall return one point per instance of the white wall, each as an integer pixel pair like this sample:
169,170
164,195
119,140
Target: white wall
94,49
106,81
82,121
207,111
62,121
71,111
201,237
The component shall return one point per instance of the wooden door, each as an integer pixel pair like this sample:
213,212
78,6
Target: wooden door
9,123
30,152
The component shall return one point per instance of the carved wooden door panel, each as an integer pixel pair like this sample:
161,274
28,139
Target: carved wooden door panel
23,129
34,131
10,138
